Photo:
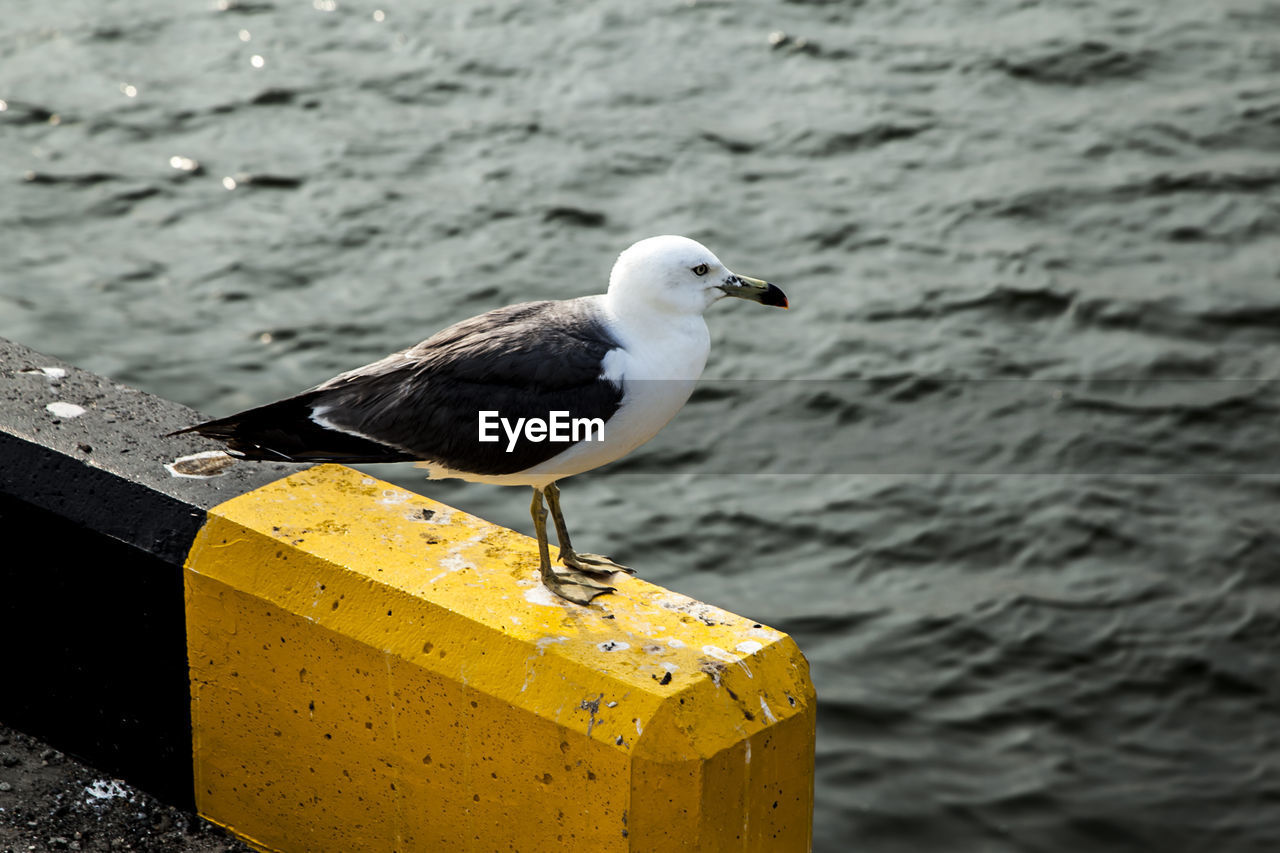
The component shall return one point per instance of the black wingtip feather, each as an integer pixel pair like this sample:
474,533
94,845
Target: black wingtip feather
285,432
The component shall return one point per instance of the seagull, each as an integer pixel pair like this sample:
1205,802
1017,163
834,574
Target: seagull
523,395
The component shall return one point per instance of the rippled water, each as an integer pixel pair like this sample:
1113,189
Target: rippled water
1007,470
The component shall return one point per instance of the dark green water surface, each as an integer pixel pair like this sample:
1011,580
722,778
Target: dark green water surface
1009,468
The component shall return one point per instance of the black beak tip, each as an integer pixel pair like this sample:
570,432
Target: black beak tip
775,297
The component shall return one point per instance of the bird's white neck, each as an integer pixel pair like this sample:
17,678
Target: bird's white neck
673,345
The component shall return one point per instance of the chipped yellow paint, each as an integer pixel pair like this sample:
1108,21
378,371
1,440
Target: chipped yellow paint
372,670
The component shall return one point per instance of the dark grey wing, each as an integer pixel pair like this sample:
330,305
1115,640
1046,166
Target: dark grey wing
522,361
423,403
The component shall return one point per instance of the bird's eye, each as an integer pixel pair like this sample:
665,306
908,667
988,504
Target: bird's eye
701,269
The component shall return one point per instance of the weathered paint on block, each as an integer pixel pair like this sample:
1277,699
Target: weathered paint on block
372,670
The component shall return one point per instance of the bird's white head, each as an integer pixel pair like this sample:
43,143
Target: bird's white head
676,275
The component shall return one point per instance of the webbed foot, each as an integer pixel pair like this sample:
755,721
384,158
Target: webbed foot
574,586
593,564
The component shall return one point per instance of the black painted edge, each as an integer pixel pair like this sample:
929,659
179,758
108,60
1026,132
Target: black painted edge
106,466
101,668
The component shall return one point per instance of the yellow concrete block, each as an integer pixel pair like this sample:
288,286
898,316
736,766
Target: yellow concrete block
373,670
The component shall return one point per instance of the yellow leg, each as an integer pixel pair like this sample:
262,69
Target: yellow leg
594,564
572,585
